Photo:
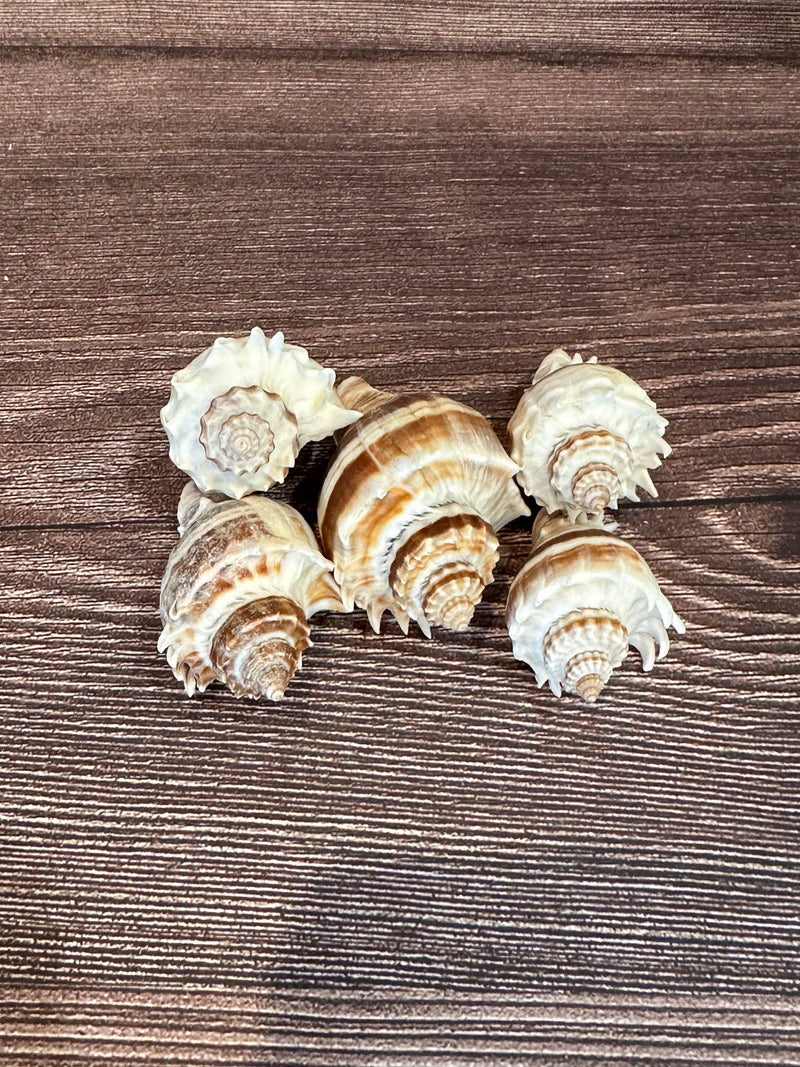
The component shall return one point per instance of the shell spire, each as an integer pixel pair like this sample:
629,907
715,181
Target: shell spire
584,596
410,505
241,411
584,436
237,593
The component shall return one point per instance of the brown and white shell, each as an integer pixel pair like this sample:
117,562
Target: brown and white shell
410,505
584,596
584,436
237,592
241,411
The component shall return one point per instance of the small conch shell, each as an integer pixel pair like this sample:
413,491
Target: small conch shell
410,505
241,411
580,601
584,436
237,592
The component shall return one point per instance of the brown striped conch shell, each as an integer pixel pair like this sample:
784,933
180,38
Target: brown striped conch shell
584,436
580,601
237,592
239,414
410,505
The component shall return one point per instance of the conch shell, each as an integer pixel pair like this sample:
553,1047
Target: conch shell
410,505
580,601
584,436
241,411
237,592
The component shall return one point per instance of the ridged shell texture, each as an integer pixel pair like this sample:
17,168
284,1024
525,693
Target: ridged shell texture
584,436
410,505
237,592
239,413
584,596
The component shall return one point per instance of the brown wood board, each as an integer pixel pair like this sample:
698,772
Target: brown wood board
380,1027
406,221
418,857
651,27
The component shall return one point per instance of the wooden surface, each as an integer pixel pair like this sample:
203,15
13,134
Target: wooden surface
418,858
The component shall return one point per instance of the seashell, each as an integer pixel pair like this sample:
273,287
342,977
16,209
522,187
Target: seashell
239,414
410,505
584,436
580,601
237,592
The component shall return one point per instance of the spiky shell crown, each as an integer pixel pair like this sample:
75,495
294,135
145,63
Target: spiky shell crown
241,411
410,505
237,591
584,436
582,598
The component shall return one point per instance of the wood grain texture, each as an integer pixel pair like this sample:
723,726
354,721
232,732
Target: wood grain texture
418,858
716,27
379,1027
405,220
373,831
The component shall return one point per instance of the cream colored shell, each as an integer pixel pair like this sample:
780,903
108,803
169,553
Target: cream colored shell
584,436
239,414
237,592
410,505
584,596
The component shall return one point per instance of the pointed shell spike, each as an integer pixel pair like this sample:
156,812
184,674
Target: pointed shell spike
241,411
583,434
582,598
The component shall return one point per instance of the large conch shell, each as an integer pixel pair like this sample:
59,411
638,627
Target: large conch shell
237,592
584,436
241,411
410,504
580,601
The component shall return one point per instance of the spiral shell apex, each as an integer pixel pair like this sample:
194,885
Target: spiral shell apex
237,592
580,601
584,436
241,411
410,505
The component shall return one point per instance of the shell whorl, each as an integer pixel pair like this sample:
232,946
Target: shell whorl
258,648
580,601
440,570
237,592
410,504
241,411
582,648
584,436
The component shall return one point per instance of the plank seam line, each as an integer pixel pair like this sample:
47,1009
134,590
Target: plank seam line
772,498
780,55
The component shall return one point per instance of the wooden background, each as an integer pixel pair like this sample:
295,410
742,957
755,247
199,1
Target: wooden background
418,858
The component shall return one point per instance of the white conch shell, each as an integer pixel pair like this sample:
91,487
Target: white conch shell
410,504
241,411
584,436
237,591
582,598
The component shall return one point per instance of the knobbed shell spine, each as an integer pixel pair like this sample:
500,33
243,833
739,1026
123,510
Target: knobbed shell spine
585,436
410,505
237,593
582,599
241,411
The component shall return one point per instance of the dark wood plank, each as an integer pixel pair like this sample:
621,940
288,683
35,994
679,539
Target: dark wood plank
377,829
427,223
367,1027
717,27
